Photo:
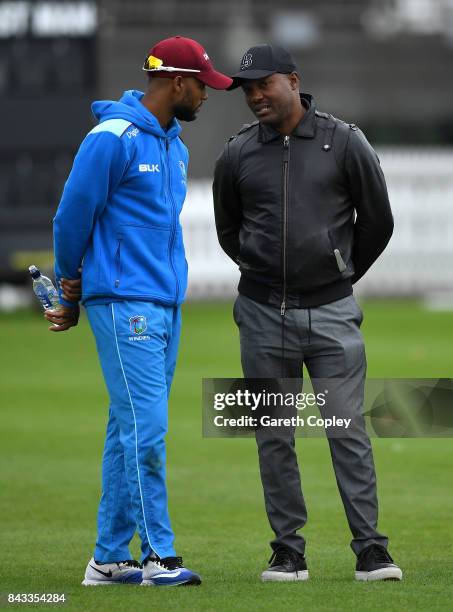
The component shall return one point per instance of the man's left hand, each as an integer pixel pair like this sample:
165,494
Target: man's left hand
71,289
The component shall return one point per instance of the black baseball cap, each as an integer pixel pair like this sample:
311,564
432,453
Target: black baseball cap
261,61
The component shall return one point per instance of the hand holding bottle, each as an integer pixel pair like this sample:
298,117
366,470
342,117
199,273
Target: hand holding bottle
65,317
62,317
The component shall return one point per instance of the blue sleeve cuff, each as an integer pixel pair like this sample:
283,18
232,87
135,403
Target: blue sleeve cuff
64,302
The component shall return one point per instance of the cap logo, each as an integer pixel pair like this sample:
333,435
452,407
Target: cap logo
206,56
152,63
247,61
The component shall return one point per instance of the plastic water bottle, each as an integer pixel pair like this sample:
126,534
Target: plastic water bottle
44,289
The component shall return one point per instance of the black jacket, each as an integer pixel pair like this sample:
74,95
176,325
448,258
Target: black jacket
303,215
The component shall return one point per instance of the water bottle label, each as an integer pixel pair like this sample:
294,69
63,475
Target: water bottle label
44,297
52,295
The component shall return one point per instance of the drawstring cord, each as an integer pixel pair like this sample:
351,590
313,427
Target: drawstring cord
282,372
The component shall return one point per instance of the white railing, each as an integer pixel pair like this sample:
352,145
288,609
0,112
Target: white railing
418,260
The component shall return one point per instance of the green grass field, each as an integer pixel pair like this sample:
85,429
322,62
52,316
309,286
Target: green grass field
53,418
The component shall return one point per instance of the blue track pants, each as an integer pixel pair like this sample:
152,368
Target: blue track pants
137,344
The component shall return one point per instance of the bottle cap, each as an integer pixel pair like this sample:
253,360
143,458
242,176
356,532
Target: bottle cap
34,271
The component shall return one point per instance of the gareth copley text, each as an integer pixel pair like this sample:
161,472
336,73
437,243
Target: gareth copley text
268,421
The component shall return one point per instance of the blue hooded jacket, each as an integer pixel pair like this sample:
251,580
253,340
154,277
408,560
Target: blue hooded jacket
119,212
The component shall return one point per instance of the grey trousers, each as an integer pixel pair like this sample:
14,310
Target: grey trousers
328,340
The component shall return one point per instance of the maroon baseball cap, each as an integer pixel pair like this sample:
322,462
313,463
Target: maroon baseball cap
179,56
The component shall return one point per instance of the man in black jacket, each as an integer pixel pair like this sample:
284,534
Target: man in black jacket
301,206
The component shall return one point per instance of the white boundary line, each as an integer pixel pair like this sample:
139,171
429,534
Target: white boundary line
135,429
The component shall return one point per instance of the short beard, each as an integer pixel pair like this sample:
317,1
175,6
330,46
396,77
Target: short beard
184,113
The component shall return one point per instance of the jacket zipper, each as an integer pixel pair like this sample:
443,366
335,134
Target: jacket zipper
285,218
173,220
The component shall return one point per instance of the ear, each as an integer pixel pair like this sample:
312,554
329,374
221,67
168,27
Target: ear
178,84
294,81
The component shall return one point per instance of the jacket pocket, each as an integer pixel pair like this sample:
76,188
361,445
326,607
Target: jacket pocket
337,254
142,265
315,261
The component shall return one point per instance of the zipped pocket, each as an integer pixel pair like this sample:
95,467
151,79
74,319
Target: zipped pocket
140,263
315,261
118,264
338,258
340,263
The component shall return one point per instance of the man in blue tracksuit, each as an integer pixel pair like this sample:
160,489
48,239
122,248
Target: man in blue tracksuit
119,214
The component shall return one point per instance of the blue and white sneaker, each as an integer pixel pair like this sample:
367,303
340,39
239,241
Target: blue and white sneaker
123,572
167,572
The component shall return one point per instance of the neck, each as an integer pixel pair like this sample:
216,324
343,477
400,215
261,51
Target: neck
287,126
159,107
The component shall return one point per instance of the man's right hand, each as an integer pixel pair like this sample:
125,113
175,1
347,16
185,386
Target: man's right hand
62,318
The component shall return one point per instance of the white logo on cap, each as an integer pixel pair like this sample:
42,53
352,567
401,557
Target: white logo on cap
206,56
246,61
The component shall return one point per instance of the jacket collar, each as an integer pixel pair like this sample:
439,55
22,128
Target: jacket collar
304,129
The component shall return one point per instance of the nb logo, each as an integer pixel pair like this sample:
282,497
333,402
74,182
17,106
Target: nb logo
148,168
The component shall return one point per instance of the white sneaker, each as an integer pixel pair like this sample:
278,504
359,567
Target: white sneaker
123,572
167,572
